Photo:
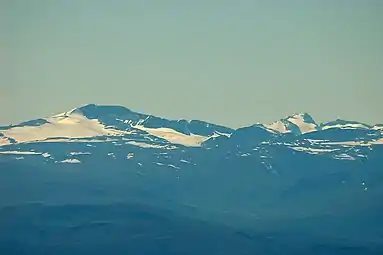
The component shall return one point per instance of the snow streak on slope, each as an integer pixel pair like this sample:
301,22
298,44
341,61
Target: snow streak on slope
61,126
344,124
72,161
313,150
21,152
147,145
300,121
355,143
173,136
279,127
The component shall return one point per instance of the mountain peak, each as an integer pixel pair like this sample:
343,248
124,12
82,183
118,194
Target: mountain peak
94,110
344,124
299,123
305,117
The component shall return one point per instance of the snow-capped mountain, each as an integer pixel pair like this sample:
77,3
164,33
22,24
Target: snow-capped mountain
296,124
96,123
292,178
111,121
126,131
344,124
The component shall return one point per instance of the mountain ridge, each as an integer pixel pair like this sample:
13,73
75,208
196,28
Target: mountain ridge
93,111
93,120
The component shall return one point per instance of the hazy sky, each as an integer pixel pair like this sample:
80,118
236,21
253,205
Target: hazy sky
230,62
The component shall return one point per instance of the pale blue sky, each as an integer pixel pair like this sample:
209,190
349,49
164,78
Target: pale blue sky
230,62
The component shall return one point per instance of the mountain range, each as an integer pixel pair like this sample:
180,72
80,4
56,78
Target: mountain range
127,178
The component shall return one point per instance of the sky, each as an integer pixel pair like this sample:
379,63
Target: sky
233,63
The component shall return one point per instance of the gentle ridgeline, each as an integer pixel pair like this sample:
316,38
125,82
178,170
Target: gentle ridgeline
100,179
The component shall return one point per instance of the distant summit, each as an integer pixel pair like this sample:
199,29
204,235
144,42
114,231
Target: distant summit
102,121
296,124
344,124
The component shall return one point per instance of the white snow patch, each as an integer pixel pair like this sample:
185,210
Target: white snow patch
79,153
217,134
345,126
314,141
46,155
313,150
71,140
344,156
72,161
173,166
21,152
348,143
303,126
174,136
62,126
352,143
147,145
